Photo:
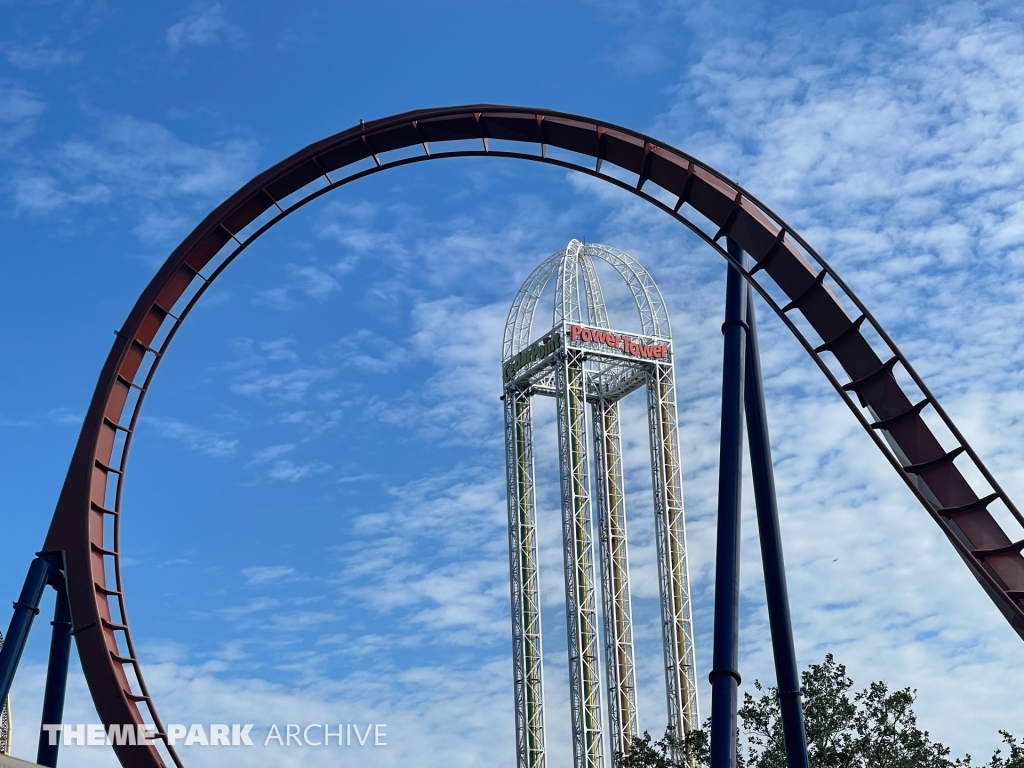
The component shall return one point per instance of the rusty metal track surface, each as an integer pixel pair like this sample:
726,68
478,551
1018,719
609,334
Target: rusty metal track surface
855,354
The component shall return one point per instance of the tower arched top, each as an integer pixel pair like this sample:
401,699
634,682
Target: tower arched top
576,261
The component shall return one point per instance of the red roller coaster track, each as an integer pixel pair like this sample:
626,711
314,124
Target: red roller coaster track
854,353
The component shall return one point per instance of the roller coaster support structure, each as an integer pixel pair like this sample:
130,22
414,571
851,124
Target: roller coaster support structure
724,676
770,534
47,568
742,383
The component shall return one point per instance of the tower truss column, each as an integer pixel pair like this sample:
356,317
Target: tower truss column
578,548
527,657
670,534
618,618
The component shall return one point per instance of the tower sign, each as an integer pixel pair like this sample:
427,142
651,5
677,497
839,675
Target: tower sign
582,360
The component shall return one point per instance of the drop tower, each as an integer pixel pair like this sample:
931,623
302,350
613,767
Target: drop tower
582,361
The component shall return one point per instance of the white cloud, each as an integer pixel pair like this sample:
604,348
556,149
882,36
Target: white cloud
43,194
454,590
147,159
311,280
312,423
58,416
267,574
284,469
369,352
275,298
19,109
272,452
351,226
208,27
463,342
40,55
279,349
639,59
18,104
159,227
64,416
134,163
315,282
197,438
291,472
290,386
358,478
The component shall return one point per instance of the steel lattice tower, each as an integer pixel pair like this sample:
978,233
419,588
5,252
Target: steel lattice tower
583,360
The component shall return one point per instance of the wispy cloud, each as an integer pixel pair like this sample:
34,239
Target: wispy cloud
279,349
310,280
272,452
640,59
314,281
197,438
155,163
271,460
312,423
286,470
352,227
368,351
19,109
267,574
255,378
208,27
154,228
58,416
138,163
289,386
459,338
453,591
41,55
43,194
462,344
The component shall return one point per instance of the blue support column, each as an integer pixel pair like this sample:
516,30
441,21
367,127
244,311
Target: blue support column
725,676
771,551
47,568
56,670
25,611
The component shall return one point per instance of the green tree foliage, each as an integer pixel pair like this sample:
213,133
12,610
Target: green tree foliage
669,751
874,728
1016,757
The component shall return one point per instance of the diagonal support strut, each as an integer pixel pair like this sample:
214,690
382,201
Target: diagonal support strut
742,388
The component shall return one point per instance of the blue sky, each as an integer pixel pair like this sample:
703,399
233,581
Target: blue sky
314,526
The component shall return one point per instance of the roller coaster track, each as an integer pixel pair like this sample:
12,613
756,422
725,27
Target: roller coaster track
863,364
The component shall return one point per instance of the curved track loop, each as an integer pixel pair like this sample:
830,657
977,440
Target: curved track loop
854,353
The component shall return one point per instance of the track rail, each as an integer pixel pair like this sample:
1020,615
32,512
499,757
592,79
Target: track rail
847,343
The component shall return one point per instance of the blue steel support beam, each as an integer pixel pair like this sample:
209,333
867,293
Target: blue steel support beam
56,670
25,611
725,676
770,534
